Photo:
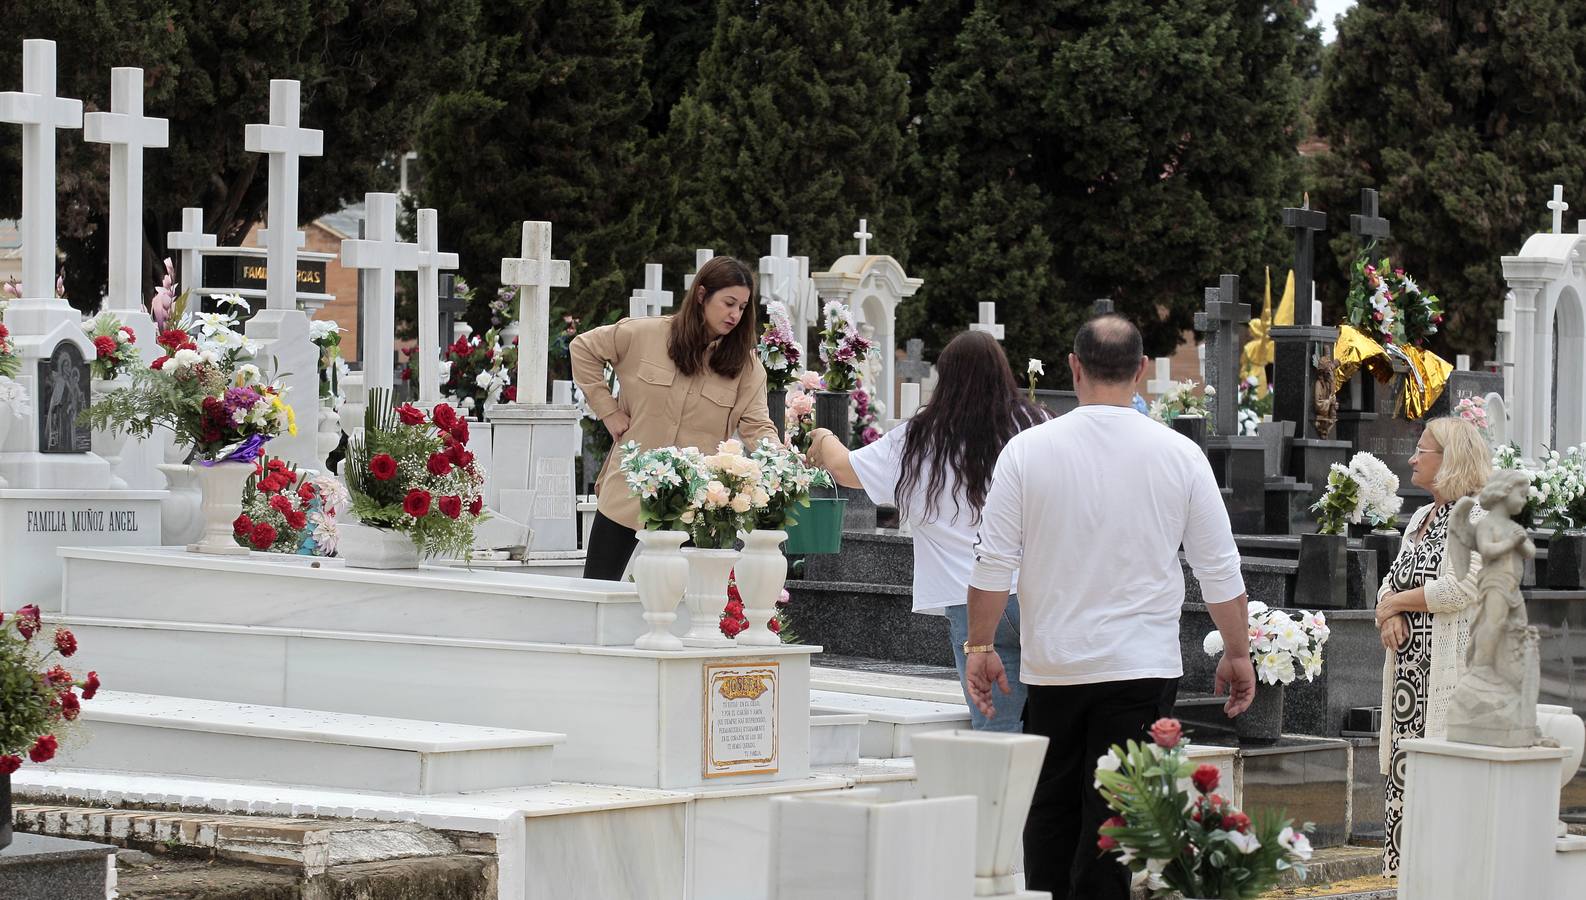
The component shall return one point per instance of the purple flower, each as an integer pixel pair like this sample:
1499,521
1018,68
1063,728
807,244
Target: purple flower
239,398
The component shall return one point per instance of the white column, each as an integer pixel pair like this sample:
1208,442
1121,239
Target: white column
1531,408
431,262
535,272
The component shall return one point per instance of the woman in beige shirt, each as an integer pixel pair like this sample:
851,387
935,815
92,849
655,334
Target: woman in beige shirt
686,380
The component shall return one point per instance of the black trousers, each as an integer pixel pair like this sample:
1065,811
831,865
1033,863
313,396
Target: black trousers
610,545
1082,721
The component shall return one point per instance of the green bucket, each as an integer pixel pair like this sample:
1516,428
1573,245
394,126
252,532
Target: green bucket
818,529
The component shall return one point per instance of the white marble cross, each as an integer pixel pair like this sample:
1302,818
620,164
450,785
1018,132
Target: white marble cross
128,131
187,243
777,272
384,255
39,111
864,236
1159,385
536,273
988,321
701,257
650,300
287,143
1316,312
431,262
1558,206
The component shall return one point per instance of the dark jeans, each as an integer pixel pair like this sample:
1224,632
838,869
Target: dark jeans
610,545
1082,721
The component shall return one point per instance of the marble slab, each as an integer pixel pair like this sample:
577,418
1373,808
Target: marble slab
886,684
302,592
829,848
835,738
34,524
892,720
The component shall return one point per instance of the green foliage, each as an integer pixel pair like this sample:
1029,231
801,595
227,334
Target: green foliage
36,692
1336,503
1463,115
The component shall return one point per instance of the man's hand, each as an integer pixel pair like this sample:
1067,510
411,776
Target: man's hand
1238,676
981,671
617,423
1395,631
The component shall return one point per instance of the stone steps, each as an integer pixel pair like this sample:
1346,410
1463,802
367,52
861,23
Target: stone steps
216,739
892,722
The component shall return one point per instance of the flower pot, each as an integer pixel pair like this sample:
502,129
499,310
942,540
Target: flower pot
108,443
660,573
1322,581
1386,542
761,571
1566,559
831,412
1262,723
5,811
220,488
366,547
707,595
180,520
1192,427
819,529
776,406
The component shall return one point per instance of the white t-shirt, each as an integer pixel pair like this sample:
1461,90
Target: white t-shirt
1090,510
943,547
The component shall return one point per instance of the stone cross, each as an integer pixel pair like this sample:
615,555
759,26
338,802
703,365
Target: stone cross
39,111
431,261
1306,222
188,243
701,257
1102,307
383,255
1558,206
913,366
648,301
1159,385
1221,320
778,272
988,321
534,273
128,131
1367,223
864,236
286,143
451,304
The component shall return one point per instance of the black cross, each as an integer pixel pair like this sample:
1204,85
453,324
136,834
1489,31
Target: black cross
1102,307
1367,223
1305,222
1221,320
450,305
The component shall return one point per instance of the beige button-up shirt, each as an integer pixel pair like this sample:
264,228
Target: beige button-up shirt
666,407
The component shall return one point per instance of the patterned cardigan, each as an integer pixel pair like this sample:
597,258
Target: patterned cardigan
1451,602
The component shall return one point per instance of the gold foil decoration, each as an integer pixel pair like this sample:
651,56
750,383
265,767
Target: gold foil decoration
1260,351
1431,377
1424,380
1354,350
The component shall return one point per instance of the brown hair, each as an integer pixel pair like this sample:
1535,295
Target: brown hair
690,338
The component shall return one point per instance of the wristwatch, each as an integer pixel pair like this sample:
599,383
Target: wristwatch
979,648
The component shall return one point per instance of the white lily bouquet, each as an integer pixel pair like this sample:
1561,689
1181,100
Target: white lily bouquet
1282,647
1557,496
1366,490
786,478
663,479
1180,399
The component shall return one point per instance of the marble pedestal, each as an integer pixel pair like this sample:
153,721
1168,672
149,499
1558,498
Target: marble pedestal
855,846
35,867
34,524
533,453
1240,465
1479,821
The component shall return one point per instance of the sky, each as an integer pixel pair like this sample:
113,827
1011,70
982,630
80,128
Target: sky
1326,11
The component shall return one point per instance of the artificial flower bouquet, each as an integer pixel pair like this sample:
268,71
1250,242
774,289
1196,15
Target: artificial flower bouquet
1254,404
14,399
1387,304
786,478
1178,837
779,352
863,418
413,473
1282,647
477,371
843,349
39,698
727,497
326,335
1557,496
799,415
286,512
734,622
10,363
115,346
1180,399
1366,490
663,479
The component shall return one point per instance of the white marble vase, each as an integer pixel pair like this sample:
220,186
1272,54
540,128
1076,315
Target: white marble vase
220,485
180,520
708,571
1562,725
109,442
366,547
761,571
660,574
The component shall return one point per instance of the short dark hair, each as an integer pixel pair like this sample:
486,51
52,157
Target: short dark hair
1109,347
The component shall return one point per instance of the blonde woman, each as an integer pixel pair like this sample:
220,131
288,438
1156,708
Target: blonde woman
1424,609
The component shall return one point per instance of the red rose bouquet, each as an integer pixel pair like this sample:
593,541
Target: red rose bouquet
39,698
413,473
733,621
10,363
285,512
115,346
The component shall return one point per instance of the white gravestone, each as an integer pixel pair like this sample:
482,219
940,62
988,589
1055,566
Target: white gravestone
778,275
701,256
381,255
908,399
988,321
649,301
187,243
1163,381
872,285
864,236
431,262
536,441
281,328
852,845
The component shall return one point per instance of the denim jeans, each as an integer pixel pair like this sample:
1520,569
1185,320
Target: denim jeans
1010,707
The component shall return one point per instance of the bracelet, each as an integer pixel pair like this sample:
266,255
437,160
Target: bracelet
979,648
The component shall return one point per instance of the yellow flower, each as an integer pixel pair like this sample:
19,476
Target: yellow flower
291,417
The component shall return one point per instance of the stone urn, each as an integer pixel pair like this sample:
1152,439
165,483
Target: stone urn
708,571
180,520
220,487
776,407
367,547
661,574
1322,581
1562,725
1262,723
1192,427
831,413
761,572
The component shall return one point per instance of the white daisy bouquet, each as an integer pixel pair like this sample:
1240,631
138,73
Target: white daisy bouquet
1282,647
663,480
1180,399
727,497
1366,490
1557,498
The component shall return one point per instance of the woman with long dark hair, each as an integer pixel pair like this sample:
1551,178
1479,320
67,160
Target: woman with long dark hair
936,468
690,379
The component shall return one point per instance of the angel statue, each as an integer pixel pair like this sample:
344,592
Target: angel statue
1495,700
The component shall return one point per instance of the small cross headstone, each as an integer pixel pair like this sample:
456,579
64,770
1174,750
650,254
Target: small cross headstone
128,131
1366,223
1306,222
430,262
864,236
778,272
1159,385
1102,307
1558,206
188,242
1221,320
535,273
650,300
39,111
382,255
451,305
701,256
913,366
287,143
988,321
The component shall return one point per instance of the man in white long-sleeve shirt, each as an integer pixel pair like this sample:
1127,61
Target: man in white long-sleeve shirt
1091,509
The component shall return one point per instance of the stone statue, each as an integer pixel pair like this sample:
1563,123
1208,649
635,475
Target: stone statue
1326,397
1495,700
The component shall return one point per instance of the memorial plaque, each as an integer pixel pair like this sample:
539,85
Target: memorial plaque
248,271
740,719
63,395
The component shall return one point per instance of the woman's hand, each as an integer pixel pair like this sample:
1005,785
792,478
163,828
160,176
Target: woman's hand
1386,609
1395,631
816,437
617,423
